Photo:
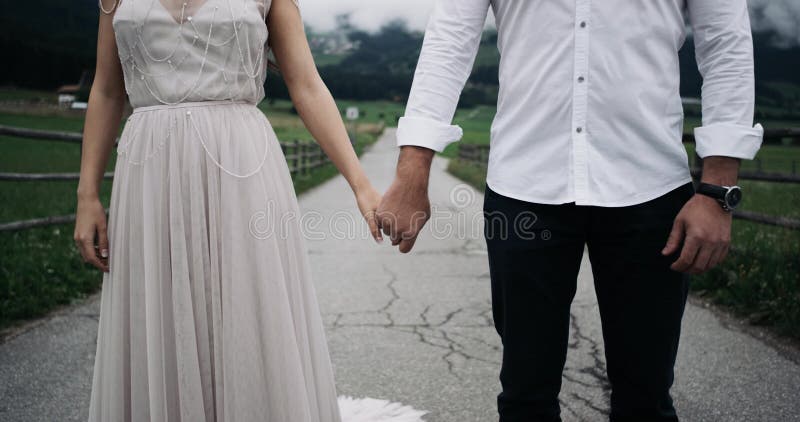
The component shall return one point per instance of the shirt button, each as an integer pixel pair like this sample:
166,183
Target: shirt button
581,79
583,24
579,129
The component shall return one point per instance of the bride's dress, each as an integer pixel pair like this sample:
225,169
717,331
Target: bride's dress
208,312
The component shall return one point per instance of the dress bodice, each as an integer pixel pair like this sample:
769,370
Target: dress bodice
175,51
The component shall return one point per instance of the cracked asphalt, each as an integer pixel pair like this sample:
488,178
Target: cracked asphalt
418,328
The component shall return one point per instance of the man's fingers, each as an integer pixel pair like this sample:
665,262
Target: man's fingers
688,253
724,252
675,238
386,222
702,259
720,253
716,257
407,244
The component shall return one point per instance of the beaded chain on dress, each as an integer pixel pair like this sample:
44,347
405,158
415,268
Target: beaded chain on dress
220,44
227,67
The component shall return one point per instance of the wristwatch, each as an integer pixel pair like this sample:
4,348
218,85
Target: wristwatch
728,196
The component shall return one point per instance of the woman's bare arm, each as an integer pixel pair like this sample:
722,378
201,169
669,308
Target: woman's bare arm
315,104
106,102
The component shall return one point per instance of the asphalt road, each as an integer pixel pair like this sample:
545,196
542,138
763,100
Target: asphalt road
417,328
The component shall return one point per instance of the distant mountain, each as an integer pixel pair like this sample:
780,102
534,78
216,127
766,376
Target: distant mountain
48,43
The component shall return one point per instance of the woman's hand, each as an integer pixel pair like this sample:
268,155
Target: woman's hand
315,104
90,224
368,200
101,127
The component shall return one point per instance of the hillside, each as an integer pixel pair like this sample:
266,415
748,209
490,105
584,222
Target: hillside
58,46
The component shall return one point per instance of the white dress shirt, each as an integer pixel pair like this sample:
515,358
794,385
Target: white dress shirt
589,109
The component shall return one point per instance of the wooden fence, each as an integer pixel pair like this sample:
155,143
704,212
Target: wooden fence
302,157
479,155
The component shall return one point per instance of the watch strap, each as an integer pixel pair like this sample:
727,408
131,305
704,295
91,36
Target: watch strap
714,191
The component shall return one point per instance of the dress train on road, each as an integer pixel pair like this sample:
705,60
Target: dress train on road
373,410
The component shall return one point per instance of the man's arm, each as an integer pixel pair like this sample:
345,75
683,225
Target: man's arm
448,53
724,51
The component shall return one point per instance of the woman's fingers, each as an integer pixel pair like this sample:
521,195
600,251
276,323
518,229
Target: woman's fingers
102,246
91,251
374,226
102,241
91,233
90,254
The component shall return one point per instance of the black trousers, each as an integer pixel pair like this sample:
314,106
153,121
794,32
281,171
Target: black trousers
535,252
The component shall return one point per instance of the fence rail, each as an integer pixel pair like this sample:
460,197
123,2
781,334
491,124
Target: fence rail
302,157
478,155
44,135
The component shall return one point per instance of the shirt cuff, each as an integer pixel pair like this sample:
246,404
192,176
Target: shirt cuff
426,133
728,140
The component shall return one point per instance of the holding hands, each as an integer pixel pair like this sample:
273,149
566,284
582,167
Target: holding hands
405,208
368,200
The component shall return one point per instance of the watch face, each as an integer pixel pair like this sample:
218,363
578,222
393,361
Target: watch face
734,197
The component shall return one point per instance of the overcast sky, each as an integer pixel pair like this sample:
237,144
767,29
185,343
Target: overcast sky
781,15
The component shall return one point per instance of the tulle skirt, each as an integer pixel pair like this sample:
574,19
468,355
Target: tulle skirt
208,312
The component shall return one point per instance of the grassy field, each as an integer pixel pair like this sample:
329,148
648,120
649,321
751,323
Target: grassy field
40,268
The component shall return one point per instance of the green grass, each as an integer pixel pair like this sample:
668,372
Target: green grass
476,123
14,94
40,268
760,279
473,174
44,122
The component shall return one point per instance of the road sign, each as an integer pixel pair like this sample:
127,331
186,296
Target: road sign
352,113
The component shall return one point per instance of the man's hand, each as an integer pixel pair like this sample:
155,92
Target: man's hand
405,207
702,226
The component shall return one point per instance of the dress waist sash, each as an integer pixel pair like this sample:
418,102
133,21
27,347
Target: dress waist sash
190,104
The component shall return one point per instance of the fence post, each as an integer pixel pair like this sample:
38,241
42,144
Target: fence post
306,159
296,149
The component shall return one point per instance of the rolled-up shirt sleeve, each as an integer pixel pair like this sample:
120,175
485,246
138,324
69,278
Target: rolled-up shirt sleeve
448,54
724,51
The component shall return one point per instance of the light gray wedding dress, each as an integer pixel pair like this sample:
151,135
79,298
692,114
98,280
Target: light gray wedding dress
208,312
